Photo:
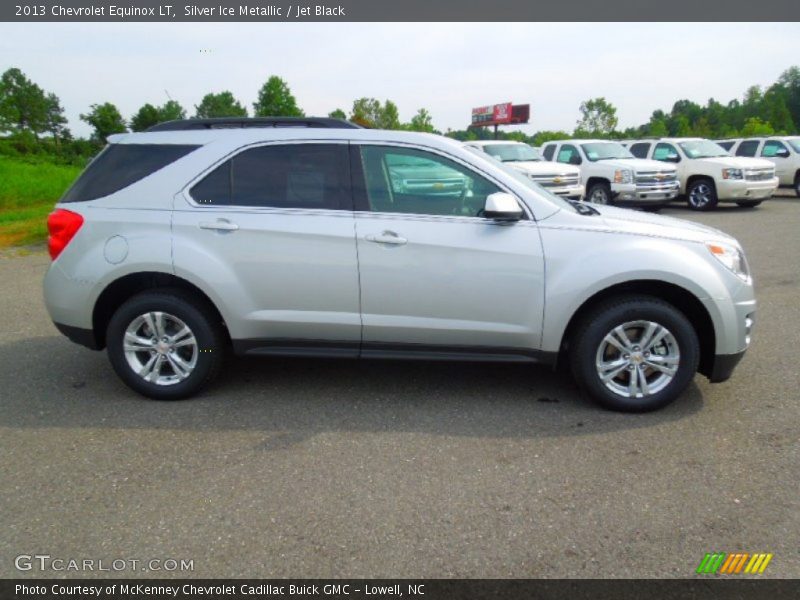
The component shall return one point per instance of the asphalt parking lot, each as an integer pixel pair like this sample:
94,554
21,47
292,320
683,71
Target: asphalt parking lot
309,468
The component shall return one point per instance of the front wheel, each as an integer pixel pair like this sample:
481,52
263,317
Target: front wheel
166,345
599,193
701,195
797,185
635,353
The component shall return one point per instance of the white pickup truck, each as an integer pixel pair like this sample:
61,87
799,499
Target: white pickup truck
562,180
613,175
781,151
708,174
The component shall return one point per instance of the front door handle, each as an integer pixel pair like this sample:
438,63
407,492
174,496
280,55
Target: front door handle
387,237
218,225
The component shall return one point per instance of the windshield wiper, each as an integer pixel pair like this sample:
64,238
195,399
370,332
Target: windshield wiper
583,208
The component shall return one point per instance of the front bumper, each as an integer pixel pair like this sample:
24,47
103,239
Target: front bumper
640,194
575,192
734,319
742,189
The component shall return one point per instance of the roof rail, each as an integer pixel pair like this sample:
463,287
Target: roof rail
253,122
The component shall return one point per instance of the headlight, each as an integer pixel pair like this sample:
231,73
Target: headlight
731,173
623,176
731,257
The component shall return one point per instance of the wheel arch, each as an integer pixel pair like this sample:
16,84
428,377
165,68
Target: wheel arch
679,297
692,178
125,287
597,179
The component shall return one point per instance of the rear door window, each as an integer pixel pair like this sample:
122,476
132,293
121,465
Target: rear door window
548,151
640,149
747,148
281,176
121,165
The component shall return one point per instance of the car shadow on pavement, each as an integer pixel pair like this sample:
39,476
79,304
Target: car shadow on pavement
49,382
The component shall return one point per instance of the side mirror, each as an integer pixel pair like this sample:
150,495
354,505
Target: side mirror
782,153
575,159
673,158
502,207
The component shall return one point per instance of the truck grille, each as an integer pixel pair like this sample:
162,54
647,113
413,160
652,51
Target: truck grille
556,180
759,174
655,178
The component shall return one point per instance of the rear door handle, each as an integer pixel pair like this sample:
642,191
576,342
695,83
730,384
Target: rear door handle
218,225
387,237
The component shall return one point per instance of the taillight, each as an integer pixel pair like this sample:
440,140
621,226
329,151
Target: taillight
62,225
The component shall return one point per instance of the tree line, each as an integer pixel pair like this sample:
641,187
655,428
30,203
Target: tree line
35,119
774,110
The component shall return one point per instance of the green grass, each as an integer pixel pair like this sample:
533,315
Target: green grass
28,192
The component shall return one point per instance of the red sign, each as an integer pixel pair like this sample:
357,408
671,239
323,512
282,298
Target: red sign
500,114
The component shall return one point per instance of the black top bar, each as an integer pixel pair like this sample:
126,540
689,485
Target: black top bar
236,123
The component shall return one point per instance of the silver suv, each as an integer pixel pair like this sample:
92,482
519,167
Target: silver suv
313,237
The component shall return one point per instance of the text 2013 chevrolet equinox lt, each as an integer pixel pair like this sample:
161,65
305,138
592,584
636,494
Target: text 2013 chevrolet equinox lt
314,237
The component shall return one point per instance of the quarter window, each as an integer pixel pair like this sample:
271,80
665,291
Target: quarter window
747,148
640,149
280,176
121,165
403,180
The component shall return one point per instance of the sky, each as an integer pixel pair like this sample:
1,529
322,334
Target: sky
448,68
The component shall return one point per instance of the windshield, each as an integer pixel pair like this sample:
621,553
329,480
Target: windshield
512,152
527,182
605,151
795,143
702,149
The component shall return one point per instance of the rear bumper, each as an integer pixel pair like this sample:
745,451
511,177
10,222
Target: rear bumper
84,337
724,364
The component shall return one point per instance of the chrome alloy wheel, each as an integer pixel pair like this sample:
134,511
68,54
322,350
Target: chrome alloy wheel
160,348
637,359
701,195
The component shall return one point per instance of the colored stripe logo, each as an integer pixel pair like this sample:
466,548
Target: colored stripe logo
723,563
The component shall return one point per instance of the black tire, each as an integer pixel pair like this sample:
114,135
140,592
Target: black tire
797,185
599,193
750,204
589,340
701,194
204,325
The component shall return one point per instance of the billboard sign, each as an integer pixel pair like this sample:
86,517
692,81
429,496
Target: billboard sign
492,114
500,114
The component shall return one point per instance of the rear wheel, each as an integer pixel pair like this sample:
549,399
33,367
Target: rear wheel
797,185
635,353
165,345
701,194
749,204
599,193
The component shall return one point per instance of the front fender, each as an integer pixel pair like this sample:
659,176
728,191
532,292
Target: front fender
580,264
